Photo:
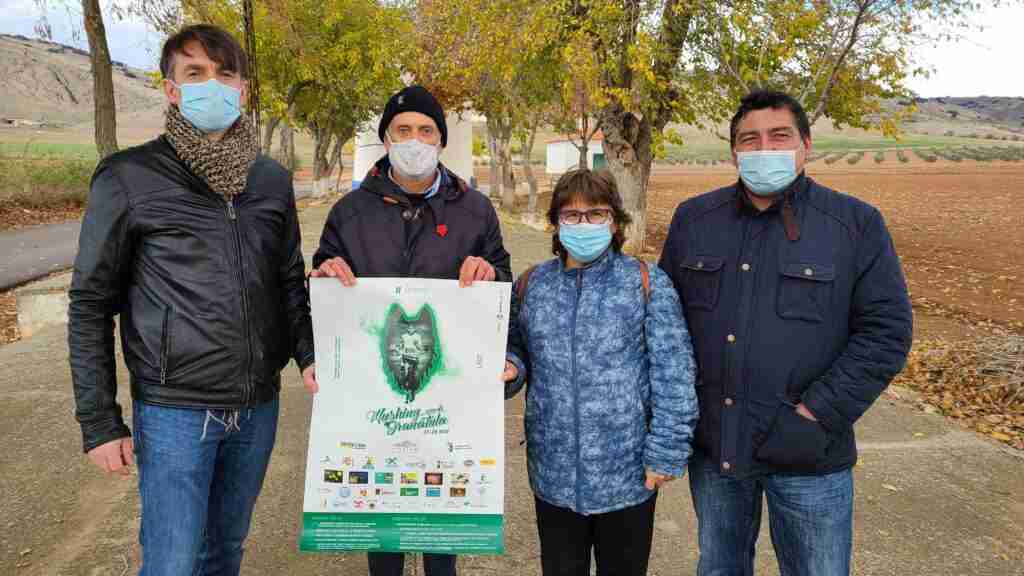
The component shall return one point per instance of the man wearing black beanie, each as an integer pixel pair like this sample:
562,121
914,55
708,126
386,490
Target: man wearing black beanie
413,218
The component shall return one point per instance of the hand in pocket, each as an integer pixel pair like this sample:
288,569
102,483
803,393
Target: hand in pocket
794,443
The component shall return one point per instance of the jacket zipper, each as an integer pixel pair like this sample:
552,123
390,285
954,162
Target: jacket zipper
576,390
247,381
165,346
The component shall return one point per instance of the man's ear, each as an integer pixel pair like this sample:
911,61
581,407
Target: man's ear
171,92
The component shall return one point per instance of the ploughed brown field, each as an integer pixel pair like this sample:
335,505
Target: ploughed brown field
958,228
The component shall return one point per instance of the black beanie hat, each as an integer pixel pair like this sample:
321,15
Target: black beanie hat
414,99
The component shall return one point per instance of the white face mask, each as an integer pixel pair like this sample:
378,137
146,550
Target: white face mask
413,159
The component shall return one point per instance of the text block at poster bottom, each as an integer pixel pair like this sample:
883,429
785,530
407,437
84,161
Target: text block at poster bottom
406,446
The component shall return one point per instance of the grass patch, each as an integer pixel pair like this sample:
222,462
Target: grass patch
48,150
46,181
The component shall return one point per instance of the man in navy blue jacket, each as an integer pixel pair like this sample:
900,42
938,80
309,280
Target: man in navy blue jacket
800,318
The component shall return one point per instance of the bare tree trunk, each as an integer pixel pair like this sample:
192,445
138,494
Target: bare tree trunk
268,134
336,162
584,149
531,179
492,148
286,147
339,144
627,147
102,79
335,158
508,183
321,146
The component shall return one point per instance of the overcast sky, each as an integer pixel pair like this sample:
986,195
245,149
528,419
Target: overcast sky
130,42
986,64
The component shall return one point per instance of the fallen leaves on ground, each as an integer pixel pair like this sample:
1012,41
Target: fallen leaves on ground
958,379
14,216
8,318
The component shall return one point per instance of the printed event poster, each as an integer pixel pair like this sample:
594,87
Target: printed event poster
406,443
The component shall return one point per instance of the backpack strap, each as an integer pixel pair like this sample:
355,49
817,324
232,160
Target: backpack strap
524,278
645,279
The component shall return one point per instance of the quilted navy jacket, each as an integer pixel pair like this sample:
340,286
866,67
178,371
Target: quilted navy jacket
822,317
611,379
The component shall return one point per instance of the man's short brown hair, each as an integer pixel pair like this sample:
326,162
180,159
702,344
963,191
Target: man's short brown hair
219,45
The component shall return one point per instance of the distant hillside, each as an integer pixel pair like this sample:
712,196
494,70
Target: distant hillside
983,116
995,110
52,83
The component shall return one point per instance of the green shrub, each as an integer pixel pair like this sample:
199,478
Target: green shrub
925,155
835,157
901,155
855,157
879,156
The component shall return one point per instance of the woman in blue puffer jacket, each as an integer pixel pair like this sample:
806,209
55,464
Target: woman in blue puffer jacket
610,404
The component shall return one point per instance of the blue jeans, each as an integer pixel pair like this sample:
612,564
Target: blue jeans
810,519
200,472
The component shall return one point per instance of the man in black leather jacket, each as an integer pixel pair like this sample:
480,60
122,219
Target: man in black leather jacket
193,241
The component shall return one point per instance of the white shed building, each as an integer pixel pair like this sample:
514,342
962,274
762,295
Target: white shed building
457,156
562,155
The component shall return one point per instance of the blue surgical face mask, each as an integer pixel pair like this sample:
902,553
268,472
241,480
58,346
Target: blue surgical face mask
210,106
585,241
767,172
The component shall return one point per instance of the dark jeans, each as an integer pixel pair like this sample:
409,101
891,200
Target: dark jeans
810,517
200,472
620,540
391,564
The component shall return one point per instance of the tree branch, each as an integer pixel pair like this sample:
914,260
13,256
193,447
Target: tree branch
838,64
675,22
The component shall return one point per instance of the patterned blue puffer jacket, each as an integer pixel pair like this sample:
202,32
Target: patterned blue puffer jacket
611,379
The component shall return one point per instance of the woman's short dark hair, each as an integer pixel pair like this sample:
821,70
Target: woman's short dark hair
219,45
592,187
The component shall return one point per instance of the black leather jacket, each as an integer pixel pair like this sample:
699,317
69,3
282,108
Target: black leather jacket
211,295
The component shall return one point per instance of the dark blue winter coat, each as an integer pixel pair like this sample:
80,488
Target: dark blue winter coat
820,315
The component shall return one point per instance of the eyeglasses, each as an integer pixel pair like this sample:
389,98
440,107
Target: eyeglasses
593,216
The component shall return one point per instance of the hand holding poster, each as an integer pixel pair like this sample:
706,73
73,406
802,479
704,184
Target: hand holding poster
406,445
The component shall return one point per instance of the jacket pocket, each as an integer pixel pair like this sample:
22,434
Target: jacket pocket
166,340
701,279
793,443
804,290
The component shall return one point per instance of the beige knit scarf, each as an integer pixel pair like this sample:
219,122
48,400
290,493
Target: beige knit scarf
223,164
